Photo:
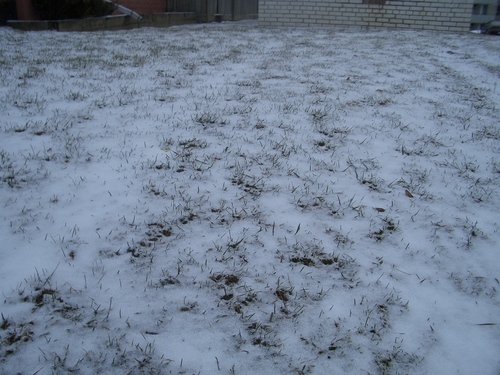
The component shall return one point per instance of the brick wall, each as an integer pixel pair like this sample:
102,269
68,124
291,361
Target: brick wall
145,6
440,15
25,10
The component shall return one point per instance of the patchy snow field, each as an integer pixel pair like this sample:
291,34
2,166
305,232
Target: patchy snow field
228,199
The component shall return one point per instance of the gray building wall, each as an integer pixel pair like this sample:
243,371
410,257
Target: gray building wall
230,10
483,11
440,15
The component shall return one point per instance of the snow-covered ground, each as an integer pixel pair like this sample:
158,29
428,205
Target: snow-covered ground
229,199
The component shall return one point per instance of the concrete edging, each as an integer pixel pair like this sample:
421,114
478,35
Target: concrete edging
119,22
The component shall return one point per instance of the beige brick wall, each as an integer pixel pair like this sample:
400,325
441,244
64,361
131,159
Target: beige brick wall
441,15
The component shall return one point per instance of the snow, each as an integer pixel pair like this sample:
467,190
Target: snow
225,198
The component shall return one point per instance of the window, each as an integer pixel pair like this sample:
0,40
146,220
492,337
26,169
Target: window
480,9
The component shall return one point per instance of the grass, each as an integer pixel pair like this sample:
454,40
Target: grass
192,200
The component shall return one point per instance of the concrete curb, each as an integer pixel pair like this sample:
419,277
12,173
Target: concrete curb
120,22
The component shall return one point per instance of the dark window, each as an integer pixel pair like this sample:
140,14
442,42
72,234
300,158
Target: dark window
480,9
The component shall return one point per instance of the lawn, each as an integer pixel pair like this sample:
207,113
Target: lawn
229,199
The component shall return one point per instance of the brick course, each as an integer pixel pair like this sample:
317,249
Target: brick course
442,15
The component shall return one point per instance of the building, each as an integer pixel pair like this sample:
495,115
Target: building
437,15
205,10
483,11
